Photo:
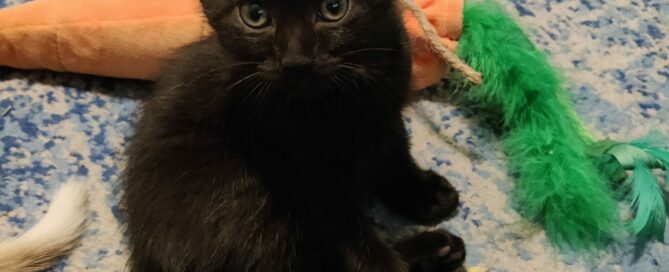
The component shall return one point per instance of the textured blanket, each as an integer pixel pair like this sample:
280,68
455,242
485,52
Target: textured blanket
56,127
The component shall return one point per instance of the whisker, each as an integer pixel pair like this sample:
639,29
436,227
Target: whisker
261,93
367,75
210,71
371,49
214,100
362,72
360,69
242,80
247,95
339,82
354,69
260,97
351,93
343,85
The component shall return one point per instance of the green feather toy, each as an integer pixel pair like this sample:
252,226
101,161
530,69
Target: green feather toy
566,179
558,186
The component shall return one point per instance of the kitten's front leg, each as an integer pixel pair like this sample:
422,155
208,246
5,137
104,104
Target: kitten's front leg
419,195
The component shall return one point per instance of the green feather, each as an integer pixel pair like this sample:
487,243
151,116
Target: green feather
658,146
647,202
611,168
558,186
647,197
607,163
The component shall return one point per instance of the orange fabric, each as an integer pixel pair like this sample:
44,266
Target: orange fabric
115,38
130,39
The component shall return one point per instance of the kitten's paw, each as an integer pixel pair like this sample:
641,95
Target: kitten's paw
436,201
433,251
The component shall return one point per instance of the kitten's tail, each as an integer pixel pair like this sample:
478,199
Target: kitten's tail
53,237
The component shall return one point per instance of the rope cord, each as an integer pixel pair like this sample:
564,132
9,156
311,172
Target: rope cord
438,47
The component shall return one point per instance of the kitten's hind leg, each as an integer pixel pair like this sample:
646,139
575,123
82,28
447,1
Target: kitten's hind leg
372,255
353,242
433,251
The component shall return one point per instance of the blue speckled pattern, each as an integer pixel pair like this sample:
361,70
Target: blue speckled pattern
57,127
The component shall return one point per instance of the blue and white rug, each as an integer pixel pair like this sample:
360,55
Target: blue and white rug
56,127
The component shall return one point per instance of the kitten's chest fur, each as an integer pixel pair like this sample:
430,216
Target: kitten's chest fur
311,150
301,146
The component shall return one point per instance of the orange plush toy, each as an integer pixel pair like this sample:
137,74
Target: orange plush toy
130,38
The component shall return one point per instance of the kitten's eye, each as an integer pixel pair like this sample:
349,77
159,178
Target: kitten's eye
254,15
333,10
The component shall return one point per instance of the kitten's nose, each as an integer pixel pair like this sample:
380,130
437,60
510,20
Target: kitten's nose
296,52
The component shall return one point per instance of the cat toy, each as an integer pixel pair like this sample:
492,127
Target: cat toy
566,180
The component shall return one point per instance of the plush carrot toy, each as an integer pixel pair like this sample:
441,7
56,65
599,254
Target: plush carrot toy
130,39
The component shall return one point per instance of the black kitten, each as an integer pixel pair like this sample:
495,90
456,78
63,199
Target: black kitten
263,144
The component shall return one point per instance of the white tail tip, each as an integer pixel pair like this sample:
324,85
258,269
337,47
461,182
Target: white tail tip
56,234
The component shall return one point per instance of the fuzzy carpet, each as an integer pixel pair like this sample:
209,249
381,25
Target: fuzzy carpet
55,127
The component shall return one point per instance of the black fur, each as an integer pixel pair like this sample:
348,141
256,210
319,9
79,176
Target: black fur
261,148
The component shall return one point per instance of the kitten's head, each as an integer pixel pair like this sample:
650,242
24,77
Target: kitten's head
309,43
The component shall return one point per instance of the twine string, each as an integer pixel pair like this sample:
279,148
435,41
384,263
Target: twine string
444,53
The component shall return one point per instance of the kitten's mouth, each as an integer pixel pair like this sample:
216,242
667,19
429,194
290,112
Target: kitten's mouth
320,67
326,65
